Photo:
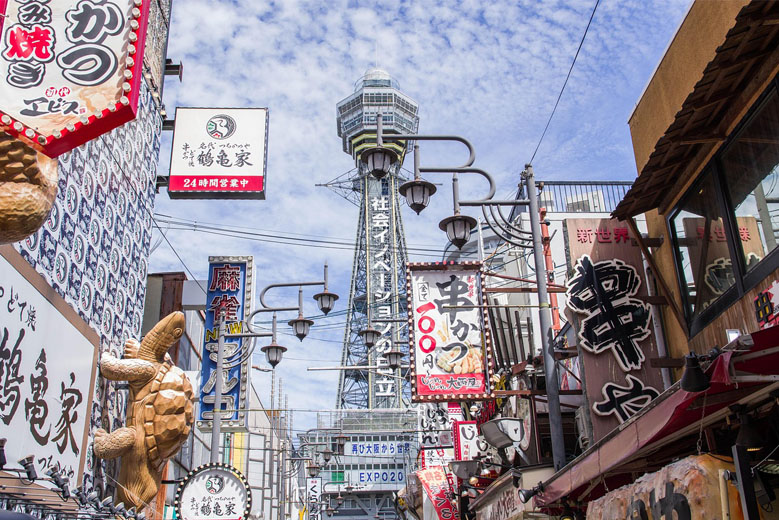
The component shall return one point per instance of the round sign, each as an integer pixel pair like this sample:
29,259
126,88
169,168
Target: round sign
213,490
221,126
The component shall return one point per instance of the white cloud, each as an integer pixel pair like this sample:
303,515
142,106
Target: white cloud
487,71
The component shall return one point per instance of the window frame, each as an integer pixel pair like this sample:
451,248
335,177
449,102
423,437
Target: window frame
744,280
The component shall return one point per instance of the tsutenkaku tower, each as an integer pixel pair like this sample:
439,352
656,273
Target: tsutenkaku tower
378,276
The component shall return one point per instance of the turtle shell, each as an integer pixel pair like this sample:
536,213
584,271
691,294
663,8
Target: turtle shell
168,413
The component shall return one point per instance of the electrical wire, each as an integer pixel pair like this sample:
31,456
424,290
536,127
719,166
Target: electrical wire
566,81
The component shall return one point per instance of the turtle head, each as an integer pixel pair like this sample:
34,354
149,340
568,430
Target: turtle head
159,339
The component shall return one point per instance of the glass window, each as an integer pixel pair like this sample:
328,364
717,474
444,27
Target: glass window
750,166
706,266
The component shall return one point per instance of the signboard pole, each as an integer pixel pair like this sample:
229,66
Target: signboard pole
545,319
216,431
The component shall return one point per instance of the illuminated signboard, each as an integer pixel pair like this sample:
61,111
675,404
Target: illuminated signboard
219,153
70,70
230,282
449,339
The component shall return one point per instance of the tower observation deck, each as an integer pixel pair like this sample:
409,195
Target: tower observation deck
378,282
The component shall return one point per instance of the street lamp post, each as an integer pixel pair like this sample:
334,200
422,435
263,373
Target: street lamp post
458,229
300,325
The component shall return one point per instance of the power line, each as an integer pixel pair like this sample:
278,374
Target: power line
566,81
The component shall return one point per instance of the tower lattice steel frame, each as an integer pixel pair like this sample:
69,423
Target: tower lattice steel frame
377,289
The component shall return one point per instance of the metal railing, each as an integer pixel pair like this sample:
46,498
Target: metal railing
580,197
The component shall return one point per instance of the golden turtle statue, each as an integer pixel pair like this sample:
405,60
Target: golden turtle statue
159,412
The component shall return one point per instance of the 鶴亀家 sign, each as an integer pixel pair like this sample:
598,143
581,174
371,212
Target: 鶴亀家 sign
214,490
449,341
219,153
48,356
230,282
70,70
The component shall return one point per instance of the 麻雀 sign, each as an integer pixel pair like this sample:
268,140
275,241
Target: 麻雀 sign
230,282
70,70
219,153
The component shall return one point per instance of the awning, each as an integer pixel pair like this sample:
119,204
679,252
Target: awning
673,414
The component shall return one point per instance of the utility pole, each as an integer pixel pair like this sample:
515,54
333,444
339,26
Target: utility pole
545,320
216,430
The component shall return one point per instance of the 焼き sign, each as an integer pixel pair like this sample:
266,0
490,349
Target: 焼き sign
48,356
219,153
70,70
449,340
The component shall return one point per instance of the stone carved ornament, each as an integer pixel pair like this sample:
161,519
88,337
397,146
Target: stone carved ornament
159,412
28,187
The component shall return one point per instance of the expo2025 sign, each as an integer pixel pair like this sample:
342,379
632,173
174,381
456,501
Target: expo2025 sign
70,70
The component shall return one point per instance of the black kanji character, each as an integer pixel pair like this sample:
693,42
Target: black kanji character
70,397
625,401
35,409
10,391
452,292
616,321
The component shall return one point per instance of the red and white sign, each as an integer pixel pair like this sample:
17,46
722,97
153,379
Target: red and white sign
70,70
439,486
219,153
449,337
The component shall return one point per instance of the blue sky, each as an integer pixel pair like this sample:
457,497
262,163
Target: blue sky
489,72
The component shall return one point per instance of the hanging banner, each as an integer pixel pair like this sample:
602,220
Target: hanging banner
48,360
435,423
219,153
431,457
230,282
313,494
439,486
605,291
70,70
449,337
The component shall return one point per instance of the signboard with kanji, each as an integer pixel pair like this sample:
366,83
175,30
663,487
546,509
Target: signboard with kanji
605,291
440,493
70,70
449,335
313,496
212,491
230,282
48,360
219,153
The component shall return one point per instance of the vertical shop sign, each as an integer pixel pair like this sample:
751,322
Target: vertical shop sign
230,282
219,153
439,487
313,494
435,423
48,357
605,290
449,336
380,255
70,70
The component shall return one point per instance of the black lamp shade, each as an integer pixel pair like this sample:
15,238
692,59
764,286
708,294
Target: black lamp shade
393,358
748,435
379,160
327,455
369,336
325,301
417,193
526,494
273,353
693,378
301,326
458,229
464,469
